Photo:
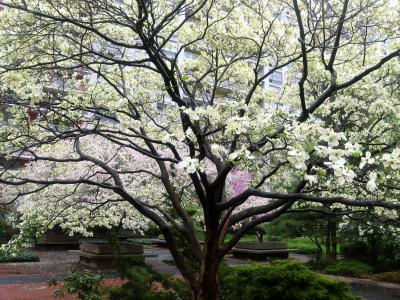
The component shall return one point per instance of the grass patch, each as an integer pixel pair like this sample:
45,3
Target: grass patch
307,246
20,257
302,243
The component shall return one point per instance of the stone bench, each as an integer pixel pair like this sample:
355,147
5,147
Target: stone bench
261,251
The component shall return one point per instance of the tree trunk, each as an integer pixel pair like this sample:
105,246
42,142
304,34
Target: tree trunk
208,285
260,236
319,250
328,238
374,252
334,239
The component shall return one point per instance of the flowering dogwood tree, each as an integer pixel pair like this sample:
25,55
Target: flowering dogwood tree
142,110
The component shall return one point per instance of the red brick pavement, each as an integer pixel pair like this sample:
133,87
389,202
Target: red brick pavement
32,291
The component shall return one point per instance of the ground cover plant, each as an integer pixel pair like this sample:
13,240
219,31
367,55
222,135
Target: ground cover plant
85,284
22,256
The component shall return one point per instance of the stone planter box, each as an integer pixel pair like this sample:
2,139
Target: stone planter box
99,261
261,251
100,254
107,248
59,238
57,241
261,246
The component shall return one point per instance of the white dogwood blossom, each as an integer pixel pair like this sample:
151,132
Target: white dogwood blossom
298,158
371,185
333,138
366,160
392,160
189,165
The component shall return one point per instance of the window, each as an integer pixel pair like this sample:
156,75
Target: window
260,74
190,13
169,54
276,77
165,103
190,55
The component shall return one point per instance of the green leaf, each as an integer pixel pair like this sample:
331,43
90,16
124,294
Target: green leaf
185,78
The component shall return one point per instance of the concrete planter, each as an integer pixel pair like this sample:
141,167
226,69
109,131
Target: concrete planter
107,248
261,246
261,251
57,241
101,255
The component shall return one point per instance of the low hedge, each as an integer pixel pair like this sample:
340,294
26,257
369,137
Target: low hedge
349,268
20,257
283,280
393,277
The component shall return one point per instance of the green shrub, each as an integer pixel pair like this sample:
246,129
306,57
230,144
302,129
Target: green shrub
140,277
321,263
303,244
383,256
19,257
3,223
393,277
349,268
282,280
385,264
153,231
355,250
85,284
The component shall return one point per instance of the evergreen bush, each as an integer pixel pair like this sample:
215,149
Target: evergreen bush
349,268
282,280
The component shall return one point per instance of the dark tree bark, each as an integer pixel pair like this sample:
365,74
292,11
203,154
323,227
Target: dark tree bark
208,284
334,239
328,238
